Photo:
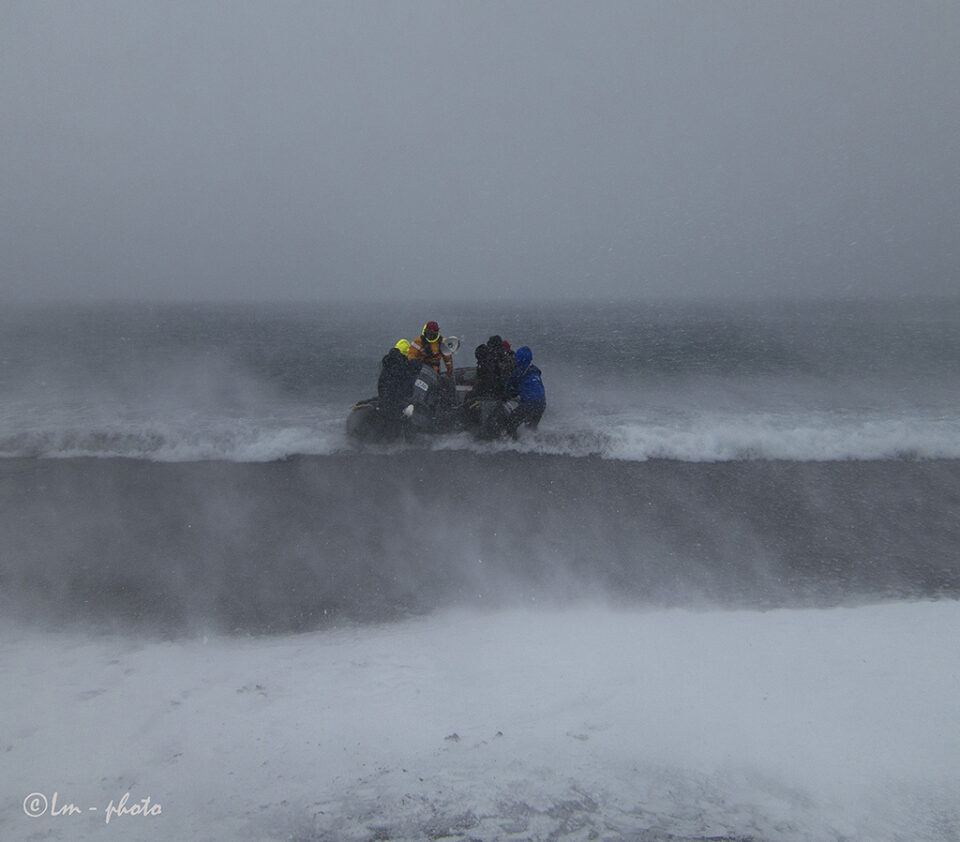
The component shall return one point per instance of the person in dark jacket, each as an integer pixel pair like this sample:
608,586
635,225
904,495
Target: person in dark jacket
494,365
526,398
395,384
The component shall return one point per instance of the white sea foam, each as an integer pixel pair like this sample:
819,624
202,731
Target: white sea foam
236,440
721,437
786,725
797,436
703,437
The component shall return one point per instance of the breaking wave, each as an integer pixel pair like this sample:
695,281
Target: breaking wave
825,436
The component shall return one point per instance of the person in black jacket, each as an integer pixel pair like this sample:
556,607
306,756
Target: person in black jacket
494,365
395,384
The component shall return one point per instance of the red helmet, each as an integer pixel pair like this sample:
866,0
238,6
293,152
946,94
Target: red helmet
431,331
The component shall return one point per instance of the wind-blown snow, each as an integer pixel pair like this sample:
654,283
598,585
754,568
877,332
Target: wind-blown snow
787,725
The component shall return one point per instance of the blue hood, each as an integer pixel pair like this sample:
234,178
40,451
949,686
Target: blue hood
523,356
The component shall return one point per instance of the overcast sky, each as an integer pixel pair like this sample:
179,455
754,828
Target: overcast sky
319,150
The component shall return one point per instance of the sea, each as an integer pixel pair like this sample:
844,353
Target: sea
714,596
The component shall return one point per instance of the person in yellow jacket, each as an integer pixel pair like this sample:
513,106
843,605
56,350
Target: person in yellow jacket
427,348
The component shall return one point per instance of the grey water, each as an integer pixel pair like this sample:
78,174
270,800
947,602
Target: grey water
690,382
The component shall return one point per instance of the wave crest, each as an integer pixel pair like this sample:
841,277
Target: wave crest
808,437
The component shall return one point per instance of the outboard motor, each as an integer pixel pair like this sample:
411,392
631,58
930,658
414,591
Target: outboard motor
425,400
434,404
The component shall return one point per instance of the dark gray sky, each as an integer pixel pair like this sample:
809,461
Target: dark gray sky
320,150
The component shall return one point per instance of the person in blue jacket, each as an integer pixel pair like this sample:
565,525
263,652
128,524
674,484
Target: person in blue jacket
524,393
